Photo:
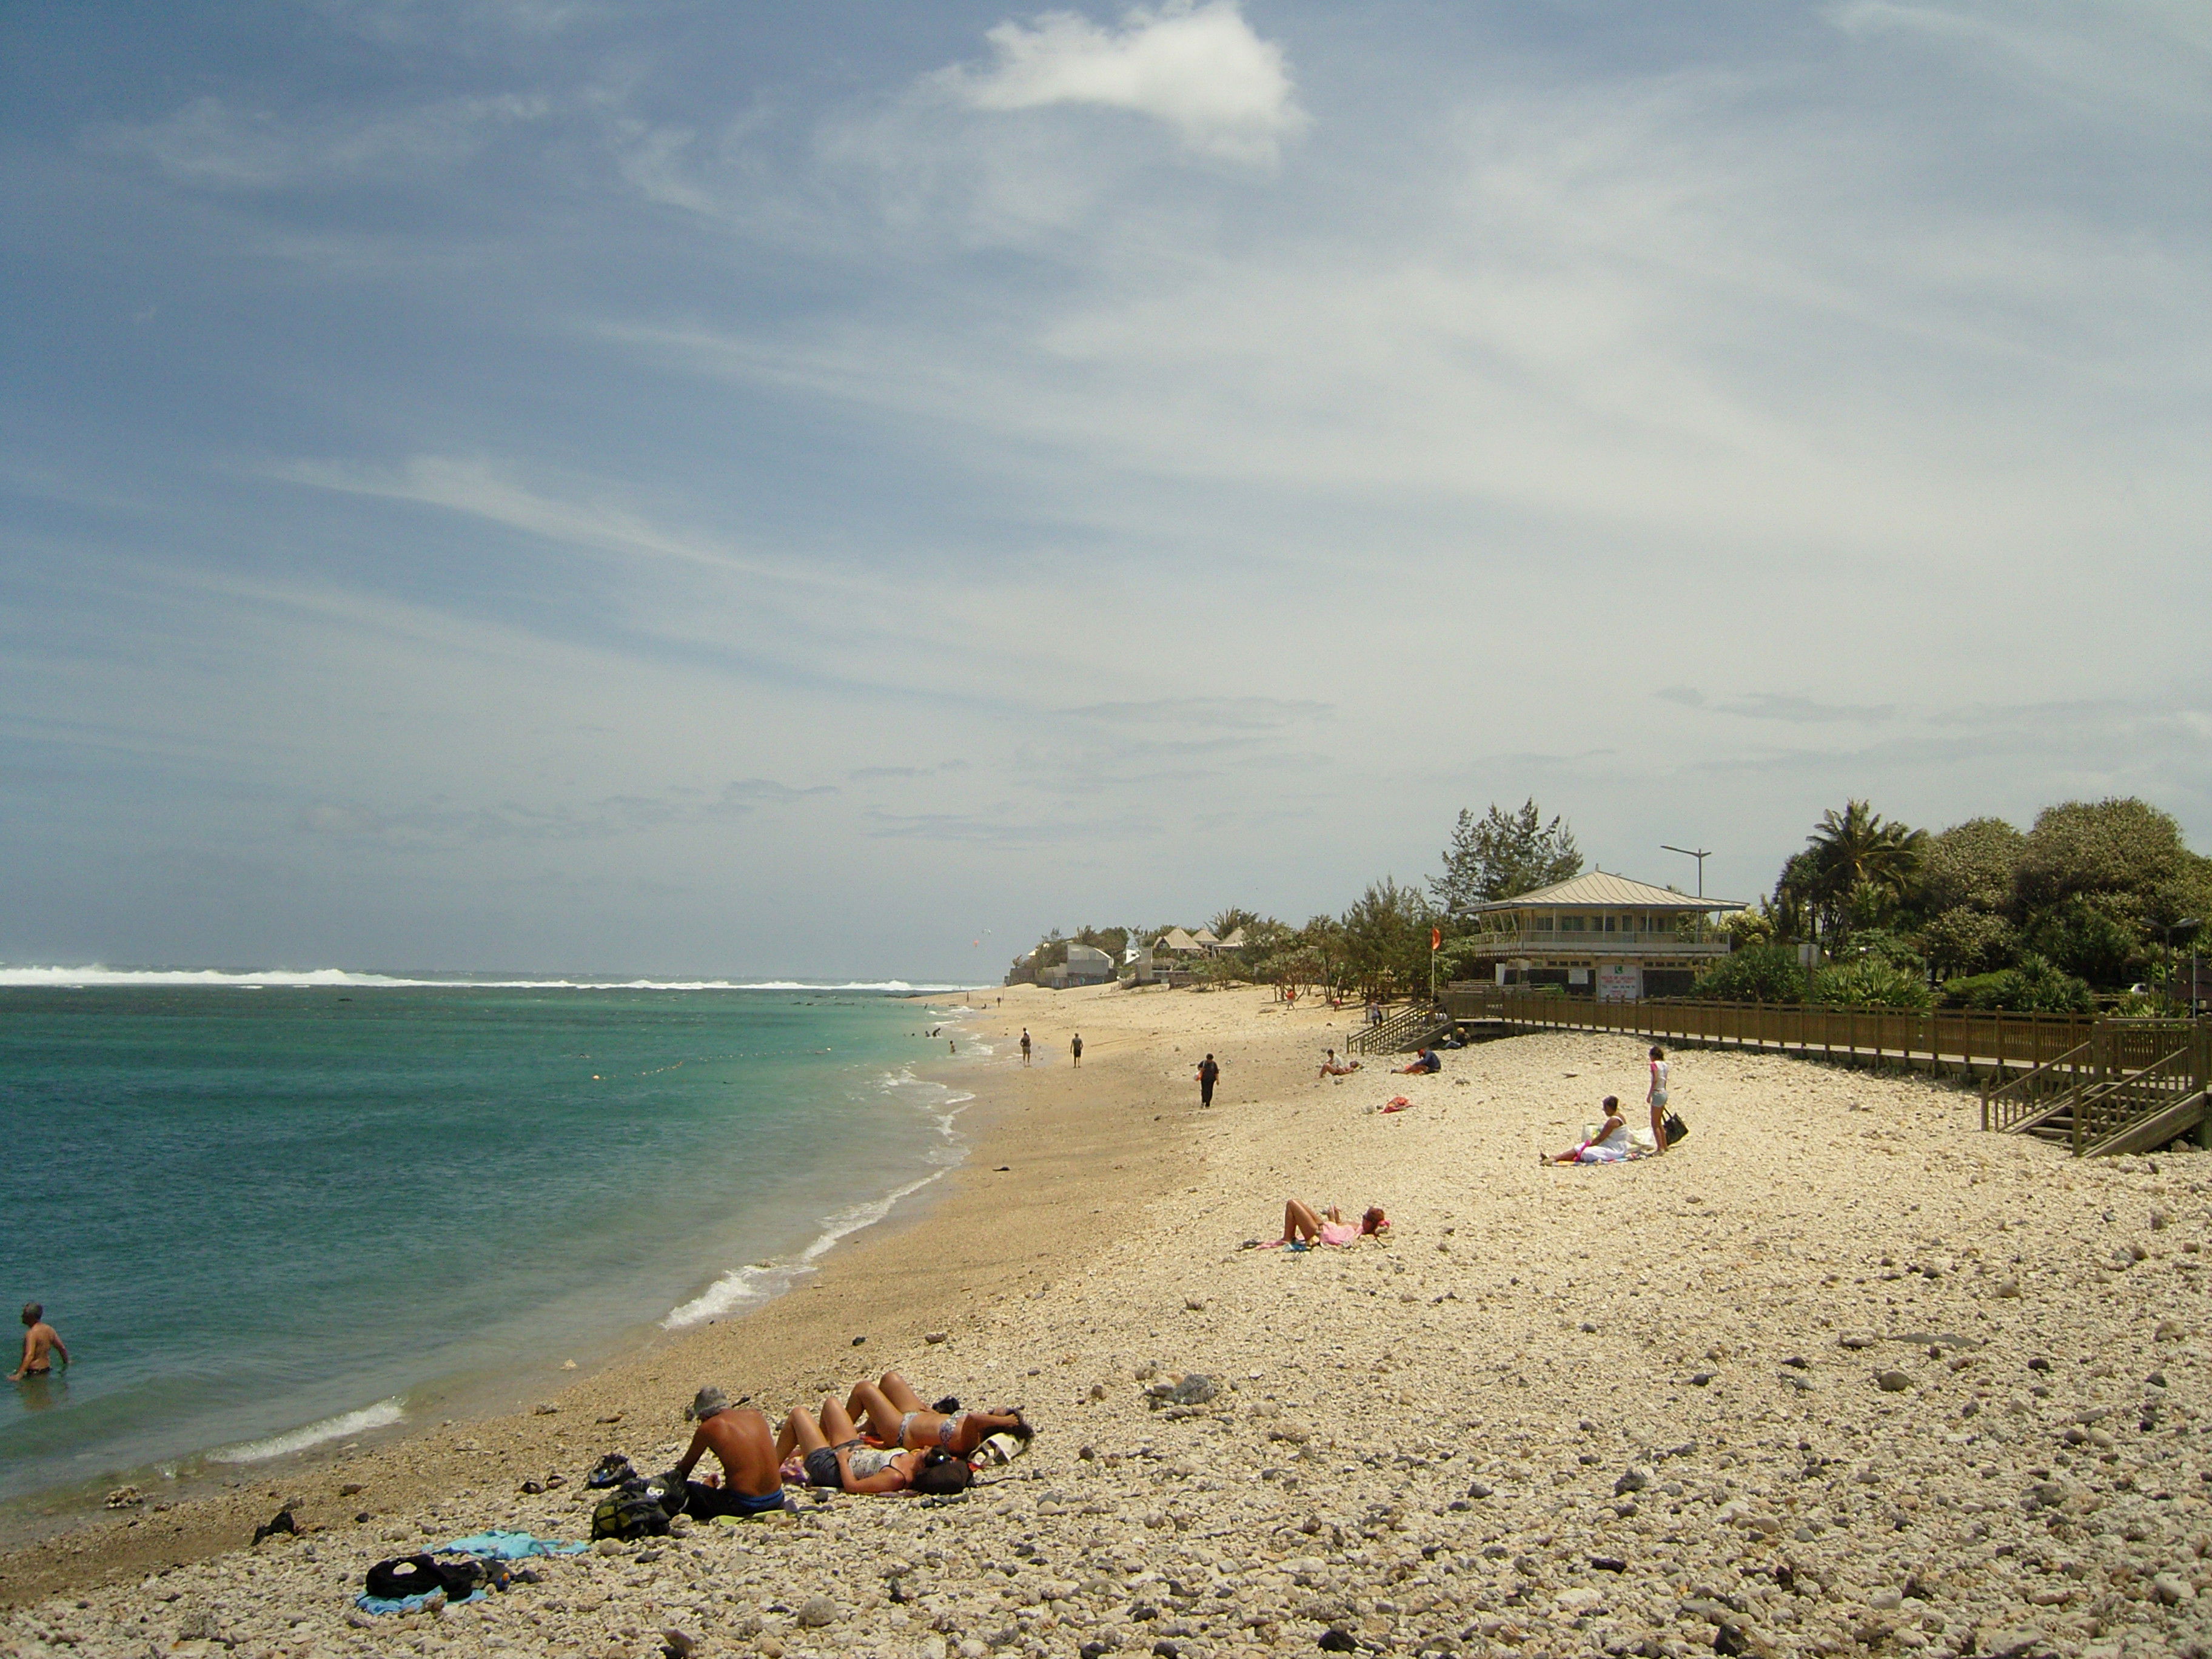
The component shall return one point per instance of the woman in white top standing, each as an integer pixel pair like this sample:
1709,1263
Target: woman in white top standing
1657,1098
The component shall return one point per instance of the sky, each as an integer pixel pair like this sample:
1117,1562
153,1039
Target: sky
833,491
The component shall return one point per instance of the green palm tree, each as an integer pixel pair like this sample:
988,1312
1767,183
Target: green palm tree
1855,847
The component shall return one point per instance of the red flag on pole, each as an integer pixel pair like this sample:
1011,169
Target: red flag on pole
1436,939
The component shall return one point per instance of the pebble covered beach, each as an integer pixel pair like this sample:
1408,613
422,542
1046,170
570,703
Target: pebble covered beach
1838,1374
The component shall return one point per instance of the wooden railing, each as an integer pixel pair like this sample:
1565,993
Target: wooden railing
2104,1110
2007,1105
1980,1043
1409,1025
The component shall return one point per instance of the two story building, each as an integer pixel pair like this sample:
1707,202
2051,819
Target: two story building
1600,935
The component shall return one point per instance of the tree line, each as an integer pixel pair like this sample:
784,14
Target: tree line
2090,900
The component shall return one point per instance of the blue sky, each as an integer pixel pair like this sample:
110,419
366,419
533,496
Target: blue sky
761,489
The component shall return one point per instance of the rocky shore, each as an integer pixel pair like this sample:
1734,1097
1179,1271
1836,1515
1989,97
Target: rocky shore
1839,1374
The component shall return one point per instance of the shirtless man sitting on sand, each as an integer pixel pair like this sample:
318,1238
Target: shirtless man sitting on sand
753,1474
1335,1068
41,1341
893,1415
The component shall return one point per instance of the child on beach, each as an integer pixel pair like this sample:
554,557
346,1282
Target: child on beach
1656,1098
41,1341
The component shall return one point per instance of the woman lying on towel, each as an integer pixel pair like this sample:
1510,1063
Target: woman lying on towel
893,1414
1609,1146
1302,1228
827,1450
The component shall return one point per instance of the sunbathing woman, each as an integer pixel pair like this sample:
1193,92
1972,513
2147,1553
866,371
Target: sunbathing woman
830,1452
1303,1229
1335,1068
894,1416
1609,1146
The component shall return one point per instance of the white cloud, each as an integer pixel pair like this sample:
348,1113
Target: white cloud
211,144
1198,68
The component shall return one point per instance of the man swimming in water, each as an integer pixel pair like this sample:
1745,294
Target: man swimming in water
41,1341
752,1475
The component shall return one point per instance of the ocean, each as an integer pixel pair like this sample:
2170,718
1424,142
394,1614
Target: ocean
269,1212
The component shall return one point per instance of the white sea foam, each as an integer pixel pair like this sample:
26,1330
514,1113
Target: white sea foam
96,974
748,1287
382,1414
764,1281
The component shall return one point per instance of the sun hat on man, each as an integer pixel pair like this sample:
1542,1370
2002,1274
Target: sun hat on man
709,1401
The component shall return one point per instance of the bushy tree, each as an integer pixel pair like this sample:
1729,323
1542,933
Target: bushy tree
1971,866
1868,982
1227,921
1963,940
1385,938
1503,854
2099,937
2034,987
1759,973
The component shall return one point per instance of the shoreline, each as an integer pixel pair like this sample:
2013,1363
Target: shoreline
404,1464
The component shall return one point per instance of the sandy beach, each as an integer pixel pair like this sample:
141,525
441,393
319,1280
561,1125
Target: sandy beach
1839,1373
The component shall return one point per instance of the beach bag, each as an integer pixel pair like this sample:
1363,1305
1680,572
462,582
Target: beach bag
611,1471
1675,1127
421,1574
630,1510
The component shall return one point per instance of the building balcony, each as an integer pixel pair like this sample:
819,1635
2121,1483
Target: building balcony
1544,944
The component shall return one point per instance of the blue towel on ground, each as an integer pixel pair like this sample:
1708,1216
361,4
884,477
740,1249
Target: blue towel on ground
494,1546
368,1603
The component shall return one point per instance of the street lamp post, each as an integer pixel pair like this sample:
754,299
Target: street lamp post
1701,854
2187,927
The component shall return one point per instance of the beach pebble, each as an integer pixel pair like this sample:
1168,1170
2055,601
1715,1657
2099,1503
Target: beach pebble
935,1337
1892,1380
816,1611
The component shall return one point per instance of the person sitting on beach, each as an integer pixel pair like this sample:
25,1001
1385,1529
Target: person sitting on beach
1335,1068
753,1474
892,1414
42,1342
829,1451
1609,1146
1302,1228
1427,1063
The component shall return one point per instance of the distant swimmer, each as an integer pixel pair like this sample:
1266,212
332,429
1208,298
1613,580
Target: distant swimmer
42,1342
1075,1047
951,1047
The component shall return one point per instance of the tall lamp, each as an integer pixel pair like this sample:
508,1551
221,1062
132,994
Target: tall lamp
2187,927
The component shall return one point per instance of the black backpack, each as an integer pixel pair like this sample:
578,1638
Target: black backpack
639,1509
421,1575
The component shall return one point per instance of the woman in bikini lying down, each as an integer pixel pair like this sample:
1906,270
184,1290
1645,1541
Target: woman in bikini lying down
827,1450
1303,1228
894,1416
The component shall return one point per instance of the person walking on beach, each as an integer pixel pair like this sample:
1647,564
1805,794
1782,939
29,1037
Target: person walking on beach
1025,1045
1656,1097
753,1474
1075,1049
42,1342
1208,1075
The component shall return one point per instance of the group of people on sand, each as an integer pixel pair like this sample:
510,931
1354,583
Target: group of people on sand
880,1439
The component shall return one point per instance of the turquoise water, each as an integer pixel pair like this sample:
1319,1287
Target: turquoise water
264,1218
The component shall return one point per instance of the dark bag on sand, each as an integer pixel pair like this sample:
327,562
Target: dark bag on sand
611,1471
1675,1128
421,1575
633,1510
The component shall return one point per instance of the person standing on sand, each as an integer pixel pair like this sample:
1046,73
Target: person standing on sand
1025,1045
1075,1049
1656,1096
753,1474
42,1342
1208,1075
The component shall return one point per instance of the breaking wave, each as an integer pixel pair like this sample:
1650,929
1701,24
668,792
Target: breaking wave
382,1415
96,974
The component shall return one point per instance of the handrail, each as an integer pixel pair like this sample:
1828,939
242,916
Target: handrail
2104,1110
1384,1037
2030,1088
